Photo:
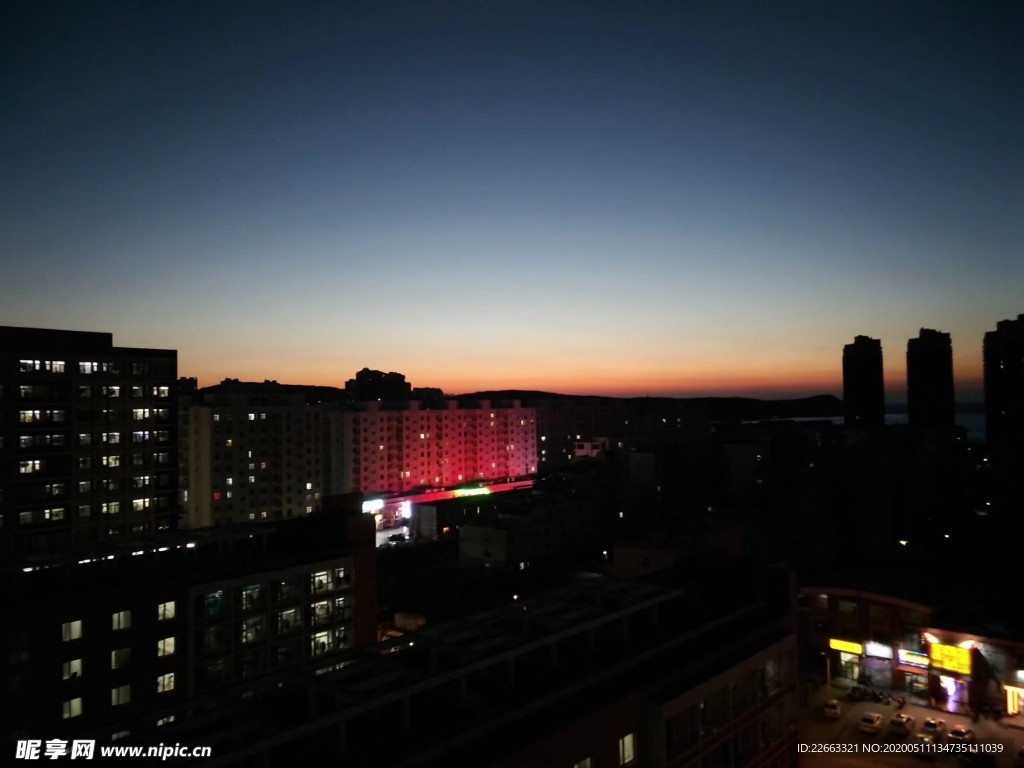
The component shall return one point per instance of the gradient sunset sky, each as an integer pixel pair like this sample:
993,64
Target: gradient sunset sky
681,198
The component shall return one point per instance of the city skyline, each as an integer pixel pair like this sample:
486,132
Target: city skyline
604,199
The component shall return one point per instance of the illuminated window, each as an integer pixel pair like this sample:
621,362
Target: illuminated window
584,763
110,507
165,647
165,683
71,630
321,643
72,708
28,467
112,461
120,695
120,658
121,620
627,752
70,670
252,630
252,596
165,611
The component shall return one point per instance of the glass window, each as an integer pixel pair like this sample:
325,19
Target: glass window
121,620
120,695
252,596
165,611
165,683
71,670
120,658
71,630
627,752
165,647
72,708
214,603
252,629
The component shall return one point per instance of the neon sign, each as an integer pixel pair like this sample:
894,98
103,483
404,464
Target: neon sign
845,645
913,659
951,658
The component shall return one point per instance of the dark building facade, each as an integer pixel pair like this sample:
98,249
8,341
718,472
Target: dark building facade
88,445
863,385
377,385
930,380
113,642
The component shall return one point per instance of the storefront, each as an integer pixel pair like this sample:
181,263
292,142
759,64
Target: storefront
849,658
950,676
913,667
876,664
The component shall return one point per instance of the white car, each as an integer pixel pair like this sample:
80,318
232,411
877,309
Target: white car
961,733
901,725
933,727
870,722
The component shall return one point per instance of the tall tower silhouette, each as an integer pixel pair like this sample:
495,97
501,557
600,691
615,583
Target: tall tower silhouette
930,380
863,388
1004,385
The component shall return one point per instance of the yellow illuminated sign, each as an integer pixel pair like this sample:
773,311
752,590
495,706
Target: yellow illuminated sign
845,645
951,658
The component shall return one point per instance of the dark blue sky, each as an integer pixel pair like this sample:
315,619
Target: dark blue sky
607,197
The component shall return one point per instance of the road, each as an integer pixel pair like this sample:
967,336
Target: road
813,728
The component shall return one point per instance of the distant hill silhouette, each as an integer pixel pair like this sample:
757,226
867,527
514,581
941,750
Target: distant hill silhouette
722,408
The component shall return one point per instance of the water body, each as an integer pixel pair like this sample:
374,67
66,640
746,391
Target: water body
968,418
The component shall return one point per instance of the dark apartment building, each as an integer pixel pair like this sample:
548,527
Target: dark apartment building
88,446
930,381
1004,387
377,385
115,642
698,668
863,385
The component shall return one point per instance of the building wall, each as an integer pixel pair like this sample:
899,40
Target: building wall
405,447
88,444
250,461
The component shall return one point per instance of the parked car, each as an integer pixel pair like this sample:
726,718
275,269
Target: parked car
832,710
933,727
901,725
870,722
962,733
926,740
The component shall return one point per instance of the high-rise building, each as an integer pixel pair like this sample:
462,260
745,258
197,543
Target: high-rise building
252,457
88,447
930,380
405,446
863,386
1004,385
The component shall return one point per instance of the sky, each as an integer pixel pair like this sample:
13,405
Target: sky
625,198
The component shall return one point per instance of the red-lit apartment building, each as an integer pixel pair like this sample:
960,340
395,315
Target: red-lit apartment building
396,447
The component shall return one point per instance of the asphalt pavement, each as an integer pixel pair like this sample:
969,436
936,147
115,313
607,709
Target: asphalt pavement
1000,739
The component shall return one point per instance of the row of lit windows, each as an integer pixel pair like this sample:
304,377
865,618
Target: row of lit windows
120,695
72,630
42,416
49,366
119,659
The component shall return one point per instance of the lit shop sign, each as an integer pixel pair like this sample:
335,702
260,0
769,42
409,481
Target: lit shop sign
845,645
373,505
462,492
951,658
878,650
913,659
